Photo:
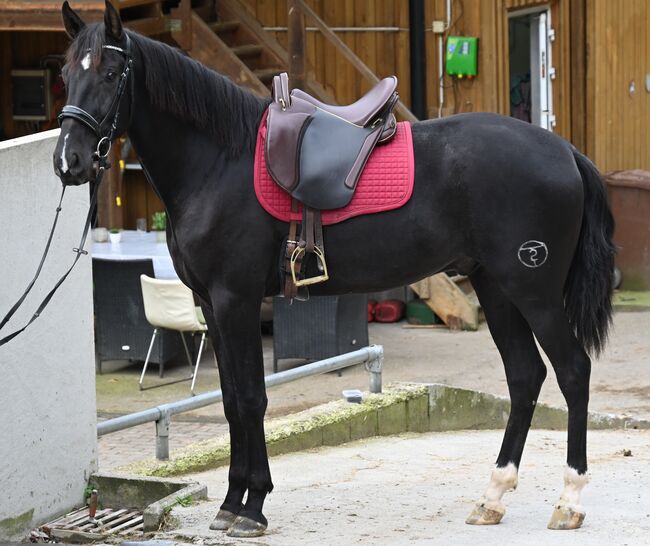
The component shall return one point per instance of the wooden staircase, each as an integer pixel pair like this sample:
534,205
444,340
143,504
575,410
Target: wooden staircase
232,42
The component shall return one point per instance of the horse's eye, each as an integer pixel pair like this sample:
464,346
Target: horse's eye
110,75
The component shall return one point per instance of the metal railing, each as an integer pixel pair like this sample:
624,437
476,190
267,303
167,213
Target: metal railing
372,357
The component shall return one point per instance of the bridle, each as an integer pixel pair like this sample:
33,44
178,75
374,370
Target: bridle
105,134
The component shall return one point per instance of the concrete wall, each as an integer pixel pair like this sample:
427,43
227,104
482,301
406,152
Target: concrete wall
48,443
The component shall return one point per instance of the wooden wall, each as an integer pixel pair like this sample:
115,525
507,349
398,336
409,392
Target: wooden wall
618,37
382,51
388,52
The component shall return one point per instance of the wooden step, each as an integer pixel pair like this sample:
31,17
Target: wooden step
248,50
265,75
126,4
221,27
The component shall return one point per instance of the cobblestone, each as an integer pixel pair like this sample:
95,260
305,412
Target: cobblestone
133,444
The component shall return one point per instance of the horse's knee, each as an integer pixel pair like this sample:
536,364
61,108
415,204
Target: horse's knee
252,408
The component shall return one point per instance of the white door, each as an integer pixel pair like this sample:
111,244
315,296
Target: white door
541,71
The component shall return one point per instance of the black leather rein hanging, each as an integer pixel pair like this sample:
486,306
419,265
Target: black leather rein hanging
105,138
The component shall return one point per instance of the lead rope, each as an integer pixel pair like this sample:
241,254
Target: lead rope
78,250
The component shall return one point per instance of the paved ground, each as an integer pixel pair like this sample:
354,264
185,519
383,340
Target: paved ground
620,381
418,489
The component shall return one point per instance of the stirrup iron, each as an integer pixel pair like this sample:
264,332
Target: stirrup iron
320,256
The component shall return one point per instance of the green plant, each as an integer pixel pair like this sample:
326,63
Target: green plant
159,221
114,230
184,501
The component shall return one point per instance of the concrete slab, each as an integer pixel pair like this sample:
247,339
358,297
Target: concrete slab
418,489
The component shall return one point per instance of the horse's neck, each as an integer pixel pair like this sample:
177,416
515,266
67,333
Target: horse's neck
169,150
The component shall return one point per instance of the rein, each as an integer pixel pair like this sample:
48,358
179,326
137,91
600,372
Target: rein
101,154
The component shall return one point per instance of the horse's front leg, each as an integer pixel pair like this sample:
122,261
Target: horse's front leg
238,473
241,368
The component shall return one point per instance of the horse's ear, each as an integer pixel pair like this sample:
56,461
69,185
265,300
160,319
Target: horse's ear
112,22
71,21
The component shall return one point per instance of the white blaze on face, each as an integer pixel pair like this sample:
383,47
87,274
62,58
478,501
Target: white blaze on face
85,62
64,161
503,479
574,483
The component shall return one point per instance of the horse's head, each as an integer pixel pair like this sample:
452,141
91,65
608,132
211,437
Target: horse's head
98,81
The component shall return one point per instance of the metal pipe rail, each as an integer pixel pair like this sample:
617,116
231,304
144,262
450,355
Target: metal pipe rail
372,357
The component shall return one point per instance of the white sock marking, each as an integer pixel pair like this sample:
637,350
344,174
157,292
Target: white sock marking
573,486
85,62
502,480
64,161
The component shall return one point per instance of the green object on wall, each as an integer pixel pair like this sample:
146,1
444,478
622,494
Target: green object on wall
462,56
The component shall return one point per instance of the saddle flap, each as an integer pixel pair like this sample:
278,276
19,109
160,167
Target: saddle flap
331,157
282,145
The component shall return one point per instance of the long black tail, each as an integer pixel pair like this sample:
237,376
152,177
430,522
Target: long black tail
589,285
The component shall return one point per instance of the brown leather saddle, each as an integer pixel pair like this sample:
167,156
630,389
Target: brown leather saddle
316,152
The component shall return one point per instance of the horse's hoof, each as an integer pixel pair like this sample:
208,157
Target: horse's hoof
244,527
482,515
223,521
564,518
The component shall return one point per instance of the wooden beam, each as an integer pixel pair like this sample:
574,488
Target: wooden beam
6,100
39,19
296,39
182,15
448,301
578,73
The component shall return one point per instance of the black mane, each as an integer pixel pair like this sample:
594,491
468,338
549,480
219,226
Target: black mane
186,89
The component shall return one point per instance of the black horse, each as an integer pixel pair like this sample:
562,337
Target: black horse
518,209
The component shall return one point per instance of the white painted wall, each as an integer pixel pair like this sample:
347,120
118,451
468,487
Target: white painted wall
48,443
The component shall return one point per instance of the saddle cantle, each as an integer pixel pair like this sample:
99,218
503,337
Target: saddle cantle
316,152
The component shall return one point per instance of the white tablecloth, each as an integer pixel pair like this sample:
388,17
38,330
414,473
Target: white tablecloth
136,245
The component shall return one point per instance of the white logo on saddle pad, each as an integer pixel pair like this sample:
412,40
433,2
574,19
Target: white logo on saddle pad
533,253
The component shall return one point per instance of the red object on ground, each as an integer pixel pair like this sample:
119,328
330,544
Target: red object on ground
371,310
389,311
385,184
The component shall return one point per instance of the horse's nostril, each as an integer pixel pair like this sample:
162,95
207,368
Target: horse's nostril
74,159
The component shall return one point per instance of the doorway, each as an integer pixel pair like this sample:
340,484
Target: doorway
531,74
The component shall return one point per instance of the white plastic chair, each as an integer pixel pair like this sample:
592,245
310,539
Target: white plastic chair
170,304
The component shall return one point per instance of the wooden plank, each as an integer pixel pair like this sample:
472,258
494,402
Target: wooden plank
5,83
182,15
149,26
40,19
448,302
297,44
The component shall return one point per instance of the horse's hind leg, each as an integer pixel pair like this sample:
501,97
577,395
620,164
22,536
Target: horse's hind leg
572,366
525,373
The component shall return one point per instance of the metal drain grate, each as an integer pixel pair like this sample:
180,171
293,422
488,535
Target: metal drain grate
108,521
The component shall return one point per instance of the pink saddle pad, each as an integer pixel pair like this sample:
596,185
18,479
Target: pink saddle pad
385,184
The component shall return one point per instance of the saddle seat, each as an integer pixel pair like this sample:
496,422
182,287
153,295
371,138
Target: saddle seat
363,110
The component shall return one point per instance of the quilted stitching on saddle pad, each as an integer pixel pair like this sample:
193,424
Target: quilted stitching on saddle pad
385,184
